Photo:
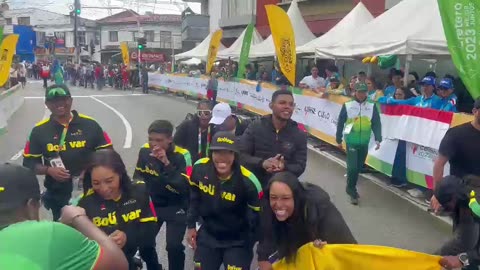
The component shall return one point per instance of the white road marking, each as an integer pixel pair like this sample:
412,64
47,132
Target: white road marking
17,155
46,114
128,127
113,95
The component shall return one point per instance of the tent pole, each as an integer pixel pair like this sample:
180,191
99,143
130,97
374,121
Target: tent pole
408,59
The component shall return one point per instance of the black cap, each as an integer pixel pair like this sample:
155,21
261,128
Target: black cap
55,91
224,141
447,189
17,185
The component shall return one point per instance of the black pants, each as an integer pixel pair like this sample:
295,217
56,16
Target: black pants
176,219
45,84
209,256
55,201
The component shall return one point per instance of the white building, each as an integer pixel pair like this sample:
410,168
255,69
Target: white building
161,31
51,27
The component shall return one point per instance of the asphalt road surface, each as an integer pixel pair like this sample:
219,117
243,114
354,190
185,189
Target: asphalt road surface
381,219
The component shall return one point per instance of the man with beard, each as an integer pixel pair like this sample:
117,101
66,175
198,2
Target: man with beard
195,134
275,143
457,196
59,146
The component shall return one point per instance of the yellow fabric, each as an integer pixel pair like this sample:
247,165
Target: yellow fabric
7,50
359,257
213,50
125,54
284,40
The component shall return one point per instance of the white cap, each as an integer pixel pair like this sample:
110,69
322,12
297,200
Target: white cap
220,112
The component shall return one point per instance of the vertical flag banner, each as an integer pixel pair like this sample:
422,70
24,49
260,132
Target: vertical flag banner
1,33
247,41
213,49
7,50
125,54
284,40
461,24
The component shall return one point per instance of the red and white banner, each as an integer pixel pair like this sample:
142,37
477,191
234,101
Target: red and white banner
151,57
413,124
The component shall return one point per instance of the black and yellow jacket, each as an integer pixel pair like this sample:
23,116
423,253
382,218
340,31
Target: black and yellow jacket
132,214
84,136
167,185
228,208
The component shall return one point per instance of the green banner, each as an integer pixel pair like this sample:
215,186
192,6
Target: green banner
247,41
1,33
461,23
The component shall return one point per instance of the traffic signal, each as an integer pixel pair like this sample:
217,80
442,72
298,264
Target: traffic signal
142,43
78,7
92,51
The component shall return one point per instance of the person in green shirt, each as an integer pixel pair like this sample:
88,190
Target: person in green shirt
27,243
357,119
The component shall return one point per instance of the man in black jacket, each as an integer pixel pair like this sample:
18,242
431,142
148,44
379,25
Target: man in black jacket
195,134
275,143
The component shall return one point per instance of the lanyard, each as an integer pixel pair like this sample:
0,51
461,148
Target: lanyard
61,143
200,142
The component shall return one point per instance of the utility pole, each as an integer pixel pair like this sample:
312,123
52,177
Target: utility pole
76,12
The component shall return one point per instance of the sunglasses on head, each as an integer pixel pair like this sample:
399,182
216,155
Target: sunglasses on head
204,112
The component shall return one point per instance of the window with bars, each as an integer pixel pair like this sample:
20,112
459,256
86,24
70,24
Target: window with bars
82,40
113,36
165,39
23,20
8,21
149,36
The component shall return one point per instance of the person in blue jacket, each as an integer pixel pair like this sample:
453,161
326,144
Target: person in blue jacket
428,99
445,92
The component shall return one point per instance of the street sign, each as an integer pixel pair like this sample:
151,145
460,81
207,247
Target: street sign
148,57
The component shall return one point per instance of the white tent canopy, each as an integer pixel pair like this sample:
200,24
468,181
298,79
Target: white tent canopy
191,62
236,48
345,28
411,27
300,29
200,52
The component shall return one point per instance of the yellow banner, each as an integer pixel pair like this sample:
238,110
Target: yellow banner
213,49
284,40
7,50
358,257
125,54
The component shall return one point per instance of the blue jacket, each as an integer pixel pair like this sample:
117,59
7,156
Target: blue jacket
433,102
449,103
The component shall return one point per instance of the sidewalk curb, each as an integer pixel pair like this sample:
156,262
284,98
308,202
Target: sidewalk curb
381,184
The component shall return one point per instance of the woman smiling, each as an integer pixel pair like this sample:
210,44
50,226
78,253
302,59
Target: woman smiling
297,213
118,207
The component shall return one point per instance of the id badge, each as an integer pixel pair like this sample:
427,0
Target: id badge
57,163
348,128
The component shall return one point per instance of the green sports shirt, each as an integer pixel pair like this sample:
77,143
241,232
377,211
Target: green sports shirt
46,245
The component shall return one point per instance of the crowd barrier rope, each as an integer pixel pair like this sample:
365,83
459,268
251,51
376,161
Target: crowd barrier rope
421,128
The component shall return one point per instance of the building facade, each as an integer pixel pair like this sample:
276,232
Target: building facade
53,34
163,34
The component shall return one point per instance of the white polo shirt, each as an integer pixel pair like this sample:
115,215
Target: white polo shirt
313,83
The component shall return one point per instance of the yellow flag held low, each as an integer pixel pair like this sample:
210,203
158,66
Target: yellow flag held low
125,54
7,50
213,49
358,257
284,40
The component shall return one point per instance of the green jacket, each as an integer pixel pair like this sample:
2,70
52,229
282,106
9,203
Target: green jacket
357,121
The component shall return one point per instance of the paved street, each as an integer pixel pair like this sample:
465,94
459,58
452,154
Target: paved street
381,219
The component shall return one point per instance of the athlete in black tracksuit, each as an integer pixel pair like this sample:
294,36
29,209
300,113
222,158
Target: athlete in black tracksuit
228,207
165,168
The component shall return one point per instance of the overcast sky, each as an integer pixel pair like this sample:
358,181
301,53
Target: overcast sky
63,6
